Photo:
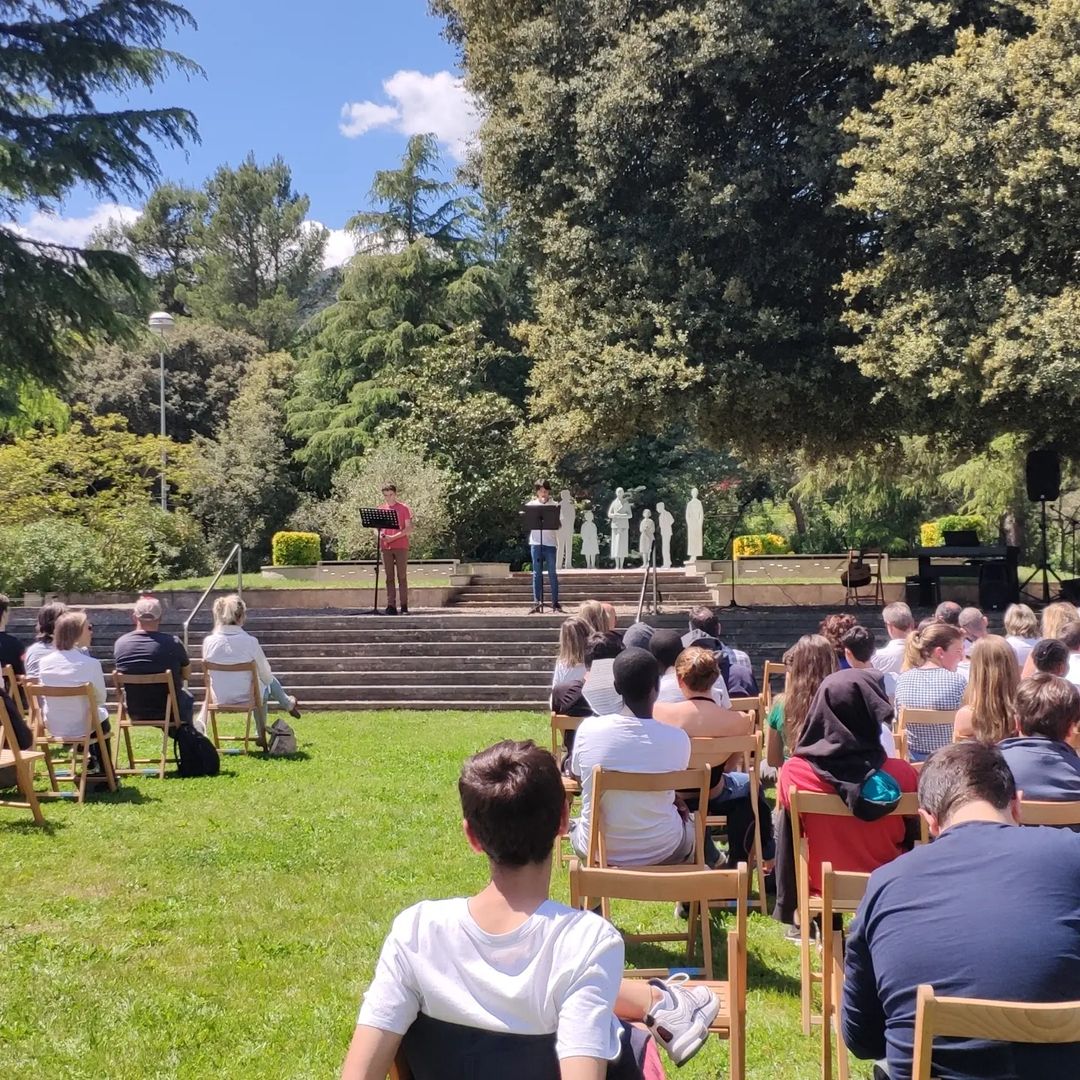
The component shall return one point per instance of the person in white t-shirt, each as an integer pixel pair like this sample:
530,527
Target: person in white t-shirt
899,622
640,828
509,960
666,646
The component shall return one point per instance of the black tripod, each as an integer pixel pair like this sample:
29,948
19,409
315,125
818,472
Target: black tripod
1043,565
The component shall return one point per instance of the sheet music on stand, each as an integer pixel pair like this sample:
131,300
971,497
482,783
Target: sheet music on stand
374,517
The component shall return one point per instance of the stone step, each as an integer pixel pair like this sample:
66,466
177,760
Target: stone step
291,678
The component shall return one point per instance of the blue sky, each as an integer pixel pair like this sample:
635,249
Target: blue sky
278,75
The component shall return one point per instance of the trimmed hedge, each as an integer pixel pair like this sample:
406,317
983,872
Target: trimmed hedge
746,547
295,549
932,533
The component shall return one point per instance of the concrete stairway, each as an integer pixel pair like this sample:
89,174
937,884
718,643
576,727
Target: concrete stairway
446,660
621,588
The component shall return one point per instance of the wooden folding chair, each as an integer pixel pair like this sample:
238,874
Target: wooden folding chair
773,669
804,804
752,705
699,887
841,893
916,718
248,708
995,1021
1061,814
605,781
24,762
718,750
560,725
15,687
79,745
126,723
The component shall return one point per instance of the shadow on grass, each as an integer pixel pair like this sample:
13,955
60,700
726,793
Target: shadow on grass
270,759
28,827
127,793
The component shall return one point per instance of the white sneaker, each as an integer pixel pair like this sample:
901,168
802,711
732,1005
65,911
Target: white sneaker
680,1020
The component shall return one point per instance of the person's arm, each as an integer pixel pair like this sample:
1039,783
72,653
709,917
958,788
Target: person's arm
97,683
774,748
588,1035
962,726
262,665
582,1068
371,1053
862,1016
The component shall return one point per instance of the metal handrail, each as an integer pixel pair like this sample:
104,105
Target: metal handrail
217,577
650,567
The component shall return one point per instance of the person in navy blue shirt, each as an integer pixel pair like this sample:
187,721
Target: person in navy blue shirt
987,910
1044,764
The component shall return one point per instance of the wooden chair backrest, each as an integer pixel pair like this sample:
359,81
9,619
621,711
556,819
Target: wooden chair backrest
161,678
256,694
608,780
560,725
906,718
14,688
1033,812
841,891
37,694
716,749
773,669
997,1021
7,735
751,705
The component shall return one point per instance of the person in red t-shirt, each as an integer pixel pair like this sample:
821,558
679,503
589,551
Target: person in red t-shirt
395,552
840,753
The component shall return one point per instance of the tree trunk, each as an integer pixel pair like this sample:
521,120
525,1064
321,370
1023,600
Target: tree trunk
800,515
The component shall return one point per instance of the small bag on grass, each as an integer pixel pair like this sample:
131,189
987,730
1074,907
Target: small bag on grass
282,739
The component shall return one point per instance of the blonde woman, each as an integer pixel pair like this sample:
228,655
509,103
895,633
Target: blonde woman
592,611
230,643
570,663
1021,631
808,662
1055,617
989,699
931,681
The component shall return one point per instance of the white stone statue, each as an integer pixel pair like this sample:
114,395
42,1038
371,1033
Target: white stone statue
695,527
666,521
590,540
646,536
564,547
619,514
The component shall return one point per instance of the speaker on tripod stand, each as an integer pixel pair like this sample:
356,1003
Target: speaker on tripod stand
1042,472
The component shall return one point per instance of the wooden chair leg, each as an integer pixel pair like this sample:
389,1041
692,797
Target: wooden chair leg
130,750
827,1008
105,758
694,912
805,989
214,729
164,749
50,769
85,756
24,779
763,902
706,942
842,1069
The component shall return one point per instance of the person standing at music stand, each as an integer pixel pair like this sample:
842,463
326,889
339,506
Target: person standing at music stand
543,545
395,552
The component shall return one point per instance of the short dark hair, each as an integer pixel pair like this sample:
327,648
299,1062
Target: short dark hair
961,773
1046,705
602,647
1049,655
545,484
636,673
706,620
948,611
666,645
1070,634
860,642
512,797
390,487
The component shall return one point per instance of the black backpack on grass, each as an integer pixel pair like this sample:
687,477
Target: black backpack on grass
196,755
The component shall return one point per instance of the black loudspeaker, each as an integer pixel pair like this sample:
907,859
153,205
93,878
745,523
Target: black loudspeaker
1070,590
995,592
1043,474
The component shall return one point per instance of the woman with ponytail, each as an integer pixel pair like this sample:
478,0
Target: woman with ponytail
931,682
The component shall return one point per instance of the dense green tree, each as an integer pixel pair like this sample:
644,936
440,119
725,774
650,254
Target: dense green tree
968,168
671,172
55,60
204,366
257,253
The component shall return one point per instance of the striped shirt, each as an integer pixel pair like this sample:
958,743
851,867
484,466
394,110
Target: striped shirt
929,688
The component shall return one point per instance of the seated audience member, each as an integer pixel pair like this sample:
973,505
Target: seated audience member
1021,631
858,645
230,643
833,628
985,911
638,635
948,612
987,712
68,664
23,735
899,622
735,667
1051,657
975,626
510,961
840,753
1042,755
1055,617
697,669
568,699
43,641
931,682
641,828
570,663
11,648
806,664
148,651
666,646
1070,638
611,617
600,617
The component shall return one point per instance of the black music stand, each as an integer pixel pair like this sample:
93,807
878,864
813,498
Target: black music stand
542,518
371,517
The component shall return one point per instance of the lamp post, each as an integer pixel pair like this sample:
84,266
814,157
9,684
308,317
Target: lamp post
161,322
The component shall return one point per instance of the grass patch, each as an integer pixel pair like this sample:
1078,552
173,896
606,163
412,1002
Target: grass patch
227,927
258,581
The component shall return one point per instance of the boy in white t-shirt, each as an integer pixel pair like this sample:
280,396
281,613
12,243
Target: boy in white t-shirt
509,960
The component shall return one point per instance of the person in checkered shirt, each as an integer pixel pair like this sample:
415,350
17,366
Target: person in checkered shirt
931,681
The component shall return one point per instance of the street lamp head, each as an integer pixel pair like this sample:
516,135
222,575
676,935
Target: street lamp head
160,323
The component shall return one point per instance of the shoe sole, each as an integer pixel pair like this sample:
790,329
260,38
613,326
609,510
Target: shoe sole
708,1015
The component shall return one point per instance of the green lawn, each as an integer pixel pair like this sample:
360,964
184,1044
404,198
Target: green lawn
226,927
257,581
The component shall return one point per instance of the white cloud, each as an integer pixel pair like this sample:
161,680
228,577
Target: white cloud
340,245
72,231
437,103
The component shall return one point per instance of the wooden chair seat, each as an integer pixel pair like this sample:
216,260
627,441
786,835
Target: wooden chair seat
125,723
1061,814
248,708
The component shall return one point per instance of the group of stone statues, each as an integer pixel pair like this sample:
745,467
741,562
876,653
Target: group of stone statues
620,513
